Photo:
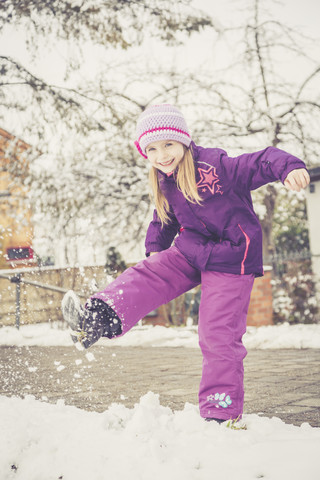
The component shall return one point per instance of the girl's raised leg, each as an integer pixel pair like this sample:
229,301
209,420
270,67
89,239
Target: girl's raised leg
152,282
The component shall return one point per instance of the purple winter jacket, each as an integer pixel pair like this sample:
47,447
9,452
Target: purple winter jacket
223,233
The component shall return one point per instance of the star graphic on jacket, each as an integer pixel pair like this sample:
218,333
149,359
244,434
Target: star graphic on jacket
209,179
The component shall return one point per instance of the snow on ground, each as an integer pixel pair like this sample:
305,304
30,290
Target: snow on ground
280,336
57,442
42,441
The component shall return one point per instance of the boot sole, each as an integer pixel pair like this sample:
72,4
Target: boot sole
71,310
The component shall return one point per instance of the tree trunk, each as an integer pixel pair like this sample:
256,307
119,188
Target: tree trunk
267,222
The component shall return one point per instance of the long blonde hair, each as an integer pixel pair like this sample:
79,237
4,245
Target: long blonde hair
186,183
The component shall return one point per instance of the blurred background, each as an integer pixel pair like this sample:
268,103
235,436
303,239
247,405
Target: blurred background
75,75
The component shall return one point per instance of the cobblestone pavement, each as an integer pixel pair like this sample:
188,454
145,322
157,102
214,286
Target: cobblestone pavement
282,383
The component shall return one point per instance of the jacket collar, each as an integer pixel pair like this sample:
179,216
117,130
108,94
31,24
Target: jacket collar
195,150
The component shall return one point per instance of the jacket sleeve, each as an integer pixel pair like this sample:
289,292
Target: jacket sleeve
160,238
252,170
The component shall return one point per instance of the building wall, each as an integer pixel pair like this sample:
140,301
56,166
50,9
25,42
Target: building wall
260,308
15,214
39,305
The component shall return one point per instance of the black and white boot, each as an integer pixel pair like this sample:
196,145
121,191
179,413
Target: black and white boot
91,322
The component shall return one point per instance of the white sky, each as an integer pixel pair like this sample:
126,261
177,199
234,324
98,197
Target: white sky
303,15
296,13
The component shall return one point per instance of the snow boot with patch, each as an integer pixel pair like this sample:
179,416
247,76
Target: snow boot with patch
91,322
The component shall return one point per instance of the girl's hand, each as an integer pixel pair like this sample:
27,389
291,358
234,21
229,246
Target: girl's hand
297,179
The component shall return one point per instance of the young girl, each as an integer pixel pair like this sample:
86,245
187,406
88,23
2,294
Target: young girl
204,207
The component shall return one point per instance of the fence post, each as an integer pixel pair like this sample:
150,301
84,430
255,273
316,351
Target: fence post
17,280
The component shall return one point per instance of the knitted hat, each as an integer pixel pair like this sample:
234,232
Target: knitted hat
161,122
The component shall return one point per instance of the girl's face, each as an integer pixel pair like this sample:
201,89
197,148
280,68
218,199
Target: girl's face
165,155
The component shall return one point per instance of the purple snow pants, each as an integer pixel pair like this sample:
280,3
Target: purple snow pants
222,320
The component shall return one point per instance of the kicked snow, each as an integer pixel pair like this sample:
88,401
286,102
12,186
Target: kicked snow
43,441
268,337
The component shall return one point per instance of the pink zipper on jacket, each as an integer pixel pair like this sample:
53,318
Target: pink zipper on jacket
246,250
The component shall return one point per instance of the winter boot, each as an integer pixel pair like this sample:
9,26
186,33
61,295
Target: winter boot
217,420
91,322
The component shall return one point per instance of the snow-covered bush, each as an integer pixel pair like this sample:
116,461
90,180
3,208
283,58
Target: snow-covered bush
294,296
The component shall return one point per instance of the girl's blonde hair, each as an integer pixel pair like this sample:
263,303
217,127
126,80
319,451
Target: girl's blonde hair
186,182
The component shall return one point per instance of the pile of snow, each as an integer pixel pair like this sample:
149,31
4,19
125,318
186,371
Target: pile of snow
283,336
43,441
280,336
41,334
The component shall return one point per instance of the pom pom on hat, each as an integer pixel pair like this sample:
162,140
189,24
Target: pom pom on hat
161,122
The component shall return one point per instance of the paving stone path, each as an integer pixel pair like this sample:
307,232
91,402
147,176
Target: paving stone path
282,383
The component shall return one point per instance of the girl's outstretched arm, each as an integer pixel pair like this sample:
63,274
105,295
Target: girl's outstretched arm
297,179
252,170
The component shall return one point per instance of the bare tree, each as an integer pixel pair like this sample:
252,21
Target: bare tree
85,121
283,110
254,102
110,23
100,177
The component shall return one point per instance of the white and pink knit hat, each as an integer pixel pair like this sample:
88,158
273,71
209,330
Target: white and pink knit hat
161,122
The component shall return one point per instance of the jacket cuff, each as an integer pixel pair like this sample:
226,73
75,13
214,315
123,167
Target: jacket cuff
292,166
153,247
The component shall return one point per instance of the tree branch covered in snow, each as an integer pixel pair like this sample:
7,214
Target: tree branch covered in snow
114,23
90,178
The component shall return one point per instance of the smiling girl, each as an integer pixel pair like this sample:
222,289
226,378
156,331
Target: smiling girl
204,231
